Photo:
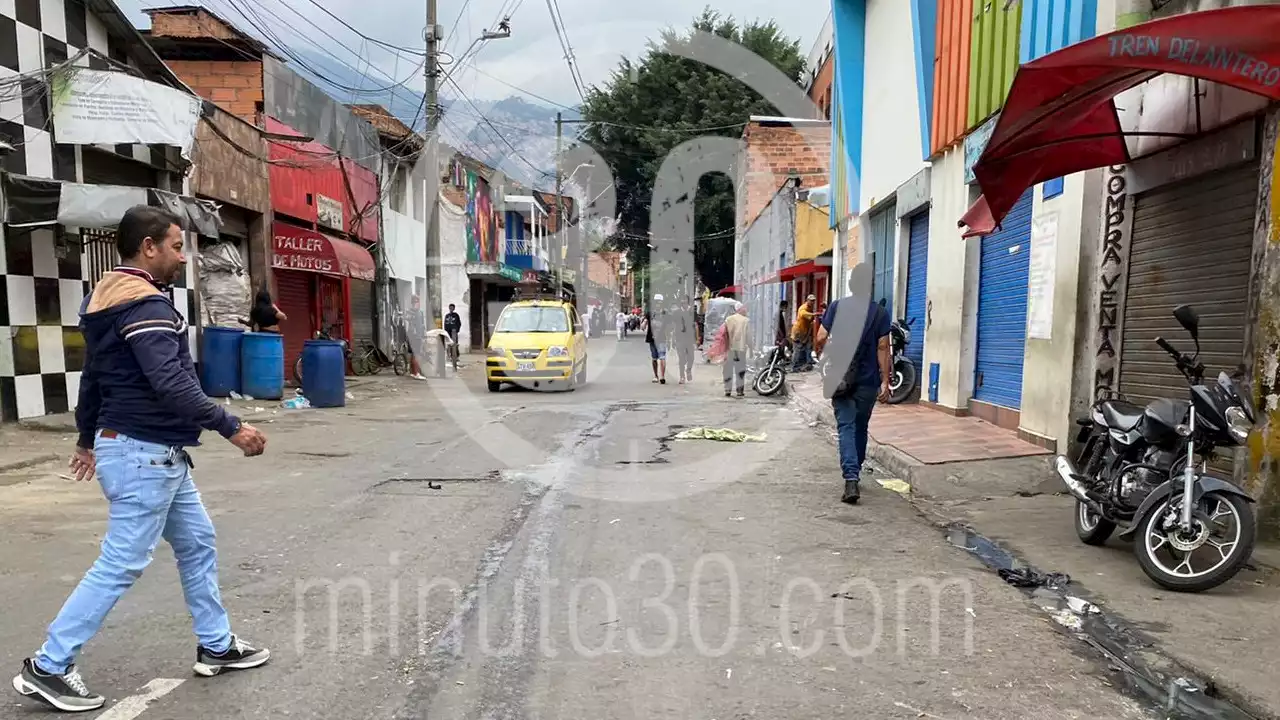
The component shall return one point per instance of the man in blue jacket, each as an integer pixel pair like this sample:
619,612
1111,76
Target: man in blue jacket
140,407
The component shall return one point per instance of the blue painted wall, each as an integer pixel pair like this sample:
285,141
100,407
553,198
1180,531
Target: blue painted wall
1049,25
850,23
924,27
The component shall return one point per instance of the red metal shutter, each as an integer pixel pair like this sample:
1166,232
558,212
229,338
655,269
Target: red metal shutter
294,296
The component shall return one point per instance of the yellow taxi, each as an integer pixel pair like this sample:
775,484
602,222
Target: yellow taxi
535,343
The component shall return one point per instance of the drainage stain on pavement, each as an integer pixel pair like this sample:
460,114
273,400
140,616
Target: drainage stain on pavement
1145,673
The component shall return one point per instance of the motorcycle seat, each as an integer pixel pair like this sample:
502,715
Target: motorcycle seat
1121,415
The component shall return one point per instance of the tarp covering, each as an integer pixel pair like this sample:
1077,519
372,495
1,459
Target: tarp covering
31,201
1060,116
225,295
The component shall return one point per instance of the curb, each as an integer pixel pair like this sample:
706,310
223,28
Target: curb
888,457
966,480
29,462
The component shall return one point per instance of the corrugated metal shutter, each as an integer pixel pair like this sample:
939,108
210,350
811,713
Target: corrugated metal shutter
882,237
294,297
917,273
361,311
1002,308
1192,243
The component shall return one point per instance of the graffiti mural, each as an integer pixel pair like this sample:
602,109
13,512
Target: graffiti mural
483,244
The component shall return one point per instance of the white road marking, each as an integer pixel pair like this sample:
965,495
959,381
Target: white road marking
134,705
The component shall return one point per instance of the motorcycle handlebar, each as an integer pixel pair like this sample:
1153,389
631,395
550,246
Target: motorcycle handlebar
1168,347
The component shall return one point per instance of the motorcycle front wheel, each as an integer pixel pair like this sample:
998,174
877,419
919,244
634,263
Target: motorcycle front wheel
1091,528
769,381
903,381
1218,546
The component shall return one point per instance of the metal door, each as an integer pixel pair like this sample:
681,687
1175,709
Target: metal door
882,242
1002,308
295,296
1192,243
361,312
917,272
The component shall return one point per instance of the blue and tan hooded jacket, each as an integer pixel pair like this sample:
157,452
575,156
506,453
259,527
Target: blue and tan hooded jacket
139,379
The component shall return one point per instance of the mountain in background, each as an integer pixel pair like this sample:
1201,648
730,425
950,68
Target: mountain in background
528,127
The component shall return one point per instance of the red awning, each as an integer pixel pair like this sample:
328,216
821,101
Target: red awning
787,274
299,248
1060,117
731,290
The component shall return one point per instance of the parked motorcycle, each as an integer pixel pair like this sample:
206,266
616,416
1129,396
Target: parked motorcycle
772,373
1138,466
902,382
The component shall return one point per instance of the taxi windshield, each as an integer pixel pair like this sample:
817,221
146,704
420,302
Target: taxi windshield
533,319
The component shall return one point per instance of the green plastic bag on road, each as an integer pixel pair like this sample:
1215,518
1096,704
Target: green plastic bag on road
719,434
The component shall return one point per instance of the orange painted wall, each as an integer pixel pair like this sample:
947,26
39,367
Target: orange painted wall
951,73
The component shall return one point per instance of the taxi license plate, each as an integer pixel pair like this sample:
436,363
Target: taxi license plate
524,367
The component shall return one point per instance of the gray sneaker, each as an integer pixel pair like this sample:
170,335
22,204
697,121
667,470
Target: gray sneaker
240,656
65,692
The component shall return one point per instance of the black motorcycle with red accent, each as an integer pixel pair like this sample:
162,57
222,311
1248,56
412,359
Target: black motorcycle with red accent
1145,470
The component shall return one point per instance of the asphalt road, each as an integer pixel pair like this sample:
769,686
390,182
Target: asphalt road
437,551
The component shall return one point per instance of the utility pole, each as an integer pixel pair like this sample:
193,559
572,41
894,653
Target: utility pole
561,229
432,71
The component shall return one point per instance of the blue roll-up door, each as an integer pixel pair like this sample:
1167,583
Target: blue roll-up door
883,234
917,272
1002,308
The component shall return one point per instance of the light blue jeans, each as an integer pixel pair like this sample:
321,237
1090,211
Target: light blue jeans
151,495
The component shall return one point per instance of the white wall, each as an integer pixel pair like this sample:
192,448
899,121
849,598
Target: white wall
405,240
890,118
1049,364
455,285
951,318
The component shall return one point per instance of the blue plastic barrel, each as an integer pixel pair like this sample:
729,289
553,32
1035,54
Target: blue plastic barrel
262,365
220,360
324,373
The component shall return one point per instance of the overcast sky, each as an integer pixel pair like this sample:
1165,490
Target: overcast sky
600,31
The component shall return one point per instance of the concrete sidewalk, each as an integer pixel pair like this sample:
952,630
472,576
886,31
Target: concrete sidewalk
1227,635
943,457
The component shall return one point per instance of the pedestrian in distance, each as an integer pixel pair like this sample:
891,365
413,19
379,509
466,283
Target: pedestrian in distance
620,325
802,335
684,335
453,326
416,337
140,408
264,316
655,334
735,360
858,375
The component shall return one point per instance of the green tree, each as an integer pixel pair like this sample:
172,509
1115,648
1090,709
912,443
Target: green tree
659,103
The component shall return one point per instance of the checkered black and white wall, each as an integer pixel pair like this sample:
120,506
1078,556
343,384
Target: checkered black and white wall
45,272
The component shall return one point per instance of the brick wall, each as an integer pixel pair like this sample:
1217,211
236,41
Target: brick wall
234,86
191,24
776,151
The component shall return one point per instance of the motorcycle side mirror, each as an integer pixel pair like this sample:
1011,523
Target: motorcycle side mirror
1189,319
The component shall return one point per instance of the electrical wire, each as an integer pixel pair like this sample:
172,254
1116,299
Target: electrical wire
564,45
256,22
501,137
394,48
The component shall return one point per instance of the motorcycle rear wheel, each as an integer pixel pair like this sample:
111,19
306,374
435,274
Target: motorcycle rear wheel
769,381
903,381
1092,529
1213,505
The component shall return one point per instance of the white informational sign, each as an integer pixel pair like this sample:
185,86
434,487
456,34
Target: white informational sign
104,107
1040,276
329,212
